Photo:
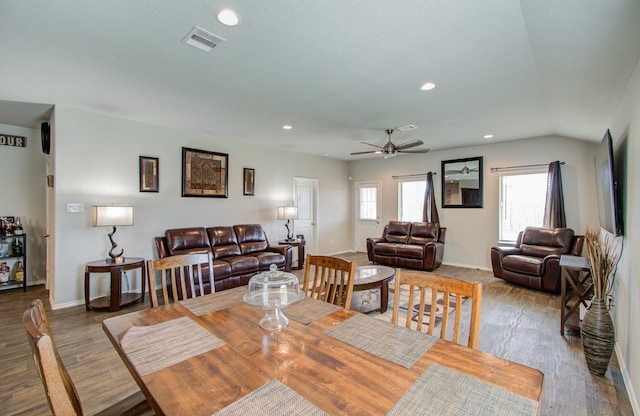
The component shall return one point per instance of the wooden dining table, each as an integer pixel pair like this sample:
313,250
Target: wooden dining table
209,354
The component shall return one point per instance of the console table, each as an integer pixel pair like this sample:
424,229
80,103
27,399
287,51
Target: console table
116,298
576,288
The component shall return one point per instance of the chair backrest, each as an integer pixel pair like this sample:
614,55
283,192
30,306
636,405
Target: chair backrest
329,279
61,393
449,288
184,274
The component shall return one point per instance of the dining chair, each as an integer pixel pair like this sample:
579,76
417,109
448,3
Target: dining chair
329,279
184,274
61,393
449,289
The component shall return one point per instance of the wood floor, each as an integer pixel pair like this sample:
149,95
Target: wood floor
518,324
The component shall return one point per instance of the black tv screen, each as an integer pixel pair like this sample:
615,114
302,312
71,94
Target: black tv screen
606,187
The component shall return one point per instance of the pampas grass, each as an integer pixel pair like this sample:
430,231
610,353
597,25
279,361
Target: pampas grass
603,255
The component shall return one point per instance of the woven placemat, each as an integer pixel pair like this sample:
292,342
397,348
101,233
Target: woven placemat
308,310
218,301
441,391
272,399
152,348
394,343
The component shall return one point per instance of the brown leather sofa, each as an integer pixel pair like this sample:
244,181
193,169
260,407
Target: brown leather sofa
415,245
239,251
534,261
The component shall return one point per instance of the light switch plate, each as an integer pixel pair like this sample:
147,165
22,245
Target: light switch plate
75,207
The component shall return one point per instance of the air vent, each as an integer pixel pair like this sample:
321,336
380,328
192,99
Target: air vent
408,127
202,39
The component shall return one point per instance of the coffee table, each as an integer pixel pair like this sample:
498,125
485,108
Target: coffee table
371,288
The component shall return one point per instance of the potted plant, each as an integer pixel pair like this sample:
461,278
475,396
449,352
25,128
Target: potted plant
597,330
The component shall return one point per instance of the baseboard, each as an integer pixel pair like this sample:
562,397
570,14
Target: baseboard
469,266
627,381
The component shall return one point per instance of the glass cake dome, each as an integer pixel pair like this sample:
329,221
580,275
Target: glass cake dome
272,291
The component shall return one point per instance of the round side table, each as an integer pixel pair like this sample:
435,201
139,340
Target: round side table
116,298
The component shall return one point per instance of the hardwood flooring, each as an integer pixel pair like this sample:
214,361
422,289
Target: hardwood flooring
518,324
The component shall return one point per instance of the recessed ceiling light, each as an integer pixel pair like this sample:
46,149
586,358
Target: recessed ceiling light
427,86
287,127
488,136
228,17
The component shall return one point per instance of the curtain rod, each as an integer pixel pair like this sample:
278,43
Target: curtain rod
412,175
520,167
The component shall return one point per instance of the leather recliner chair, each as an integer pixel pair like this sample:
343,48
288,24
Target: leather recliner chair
534,261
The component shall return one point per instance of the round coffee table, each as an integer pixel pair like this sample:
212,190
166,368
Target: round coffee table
371,288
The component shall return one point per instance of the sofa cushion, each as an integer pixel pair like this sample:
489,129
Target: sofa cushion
267,258
187,240
424,232
398,232
221,269
411,251
251,238
242,264
386,249
523,264
224,242
542,242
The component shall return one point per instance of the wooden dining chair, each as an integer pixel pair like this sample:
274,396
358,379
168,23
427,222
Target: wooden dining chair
184,273
329,279
61,393
449,289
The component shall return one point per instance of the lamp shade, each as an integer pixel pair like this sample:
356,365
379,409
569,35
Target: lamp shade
287,213
104,216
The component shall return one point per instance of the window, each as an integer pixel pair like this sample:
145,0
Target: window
368,203
411,200
522,199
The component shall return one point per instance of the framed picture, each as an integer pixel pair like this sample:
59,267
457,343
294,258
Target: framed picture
249,180
299,238
462,183
204,174
149,174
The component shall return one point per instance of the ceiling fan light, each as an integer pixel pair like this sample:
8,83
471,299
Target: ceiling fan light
428,86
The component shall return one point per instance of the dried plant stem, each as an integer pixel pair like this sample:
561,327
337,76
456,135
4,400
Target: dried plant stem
603,256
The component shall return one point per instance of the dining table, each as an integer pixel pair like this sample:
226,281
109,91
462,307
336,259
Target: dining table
209,356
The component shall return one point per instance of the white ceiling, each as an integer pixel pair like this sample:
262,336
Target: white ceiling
340,72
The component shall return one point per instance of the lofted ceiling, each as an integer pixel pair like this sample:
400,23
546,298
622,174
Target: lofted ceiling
339,72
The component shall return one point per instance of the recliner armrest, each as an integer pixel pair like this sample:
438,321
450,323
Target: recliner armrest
372,241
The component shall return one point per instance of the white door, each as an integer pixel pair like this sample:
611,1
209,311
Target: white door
305,192
368,209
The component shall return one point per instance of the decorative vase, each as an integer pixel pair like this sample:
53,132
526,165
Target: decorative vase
598,337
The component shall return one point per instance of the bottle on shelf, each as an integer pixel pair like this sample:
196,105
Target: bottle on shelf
17,248
17,227
19,272
5,272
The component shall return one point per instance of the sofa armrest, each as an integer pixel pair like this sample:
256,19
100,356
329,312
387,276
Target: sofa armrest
551,273
161,246
372,241
286,251
497,254
433,254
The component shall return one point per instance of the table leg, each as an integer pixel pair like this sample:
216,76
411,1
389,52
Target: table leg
300,256
116,289
384,297
144,280
87,290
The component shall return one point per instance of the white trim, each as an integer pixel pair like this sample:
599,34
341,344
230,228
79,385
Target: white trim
627,381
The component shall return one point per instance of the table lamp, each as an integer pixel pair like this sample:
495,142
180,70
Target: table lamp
288,213
112,216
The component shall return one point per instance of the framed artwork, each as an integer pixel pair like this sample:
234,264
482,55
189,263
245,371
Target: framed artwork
204,174
249,181
149,174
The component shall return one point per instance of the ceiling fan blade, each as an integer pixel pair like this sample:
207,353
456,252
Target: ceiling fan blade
374,145
414,151
407,145
452,172
362,153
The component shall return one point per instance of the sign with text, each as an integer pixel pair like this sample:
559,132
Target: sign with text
11,140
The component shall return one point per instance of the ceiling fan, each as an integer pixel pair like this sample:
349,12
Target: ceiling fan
463,171
390,149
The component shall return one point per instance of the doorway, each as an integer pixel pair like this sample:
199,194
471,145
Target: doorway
367,213
305,191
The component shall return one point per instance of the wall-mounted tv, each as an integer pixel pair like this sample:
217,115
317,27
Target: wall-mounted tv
609,208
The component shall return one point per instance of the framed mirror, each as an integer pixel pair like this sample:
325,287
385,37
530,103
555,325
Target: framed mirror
462,183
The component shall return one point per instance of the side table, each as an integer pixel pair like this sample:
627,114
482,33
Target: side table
576,288
116,298
300,246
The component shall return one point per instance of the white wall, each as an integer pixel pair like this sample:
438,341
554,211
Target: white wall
627,289
471,232
22,186
96,162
